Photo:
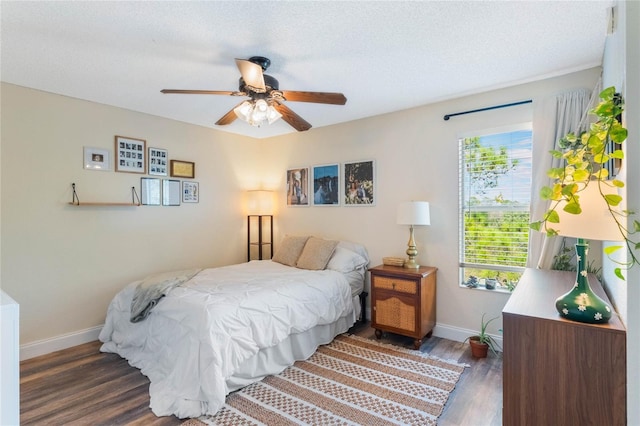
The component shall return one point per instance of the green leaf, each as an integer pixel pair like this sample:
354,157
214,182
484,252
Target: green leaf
546,193
573,208
581,175
618,133
618,273
609,250
608,93
552,216
617,183
636,226
601,174
569,190
613,199
535,225
601,158
618,153
637,247
551,232
556,154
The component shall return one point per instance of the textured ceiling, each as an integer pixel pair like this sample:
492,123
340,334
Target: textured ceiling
384,56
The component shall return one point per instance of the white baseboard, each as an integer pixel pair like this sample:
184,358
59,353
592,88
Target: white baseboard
64,341
57,343
458,334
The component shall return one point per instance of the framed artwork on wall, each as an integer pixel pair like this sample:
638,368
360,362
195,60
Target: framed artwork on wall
130,155
190,192
96,159
158,161
298,187
359,183
150,191
170,192
326,185
183,169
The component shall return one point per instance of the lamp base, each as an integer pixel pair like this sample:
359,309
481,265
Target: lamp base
411,264
581,303
412,252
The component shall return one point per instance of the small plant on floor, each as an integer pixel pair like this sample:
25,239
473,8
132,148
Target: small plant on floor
482,342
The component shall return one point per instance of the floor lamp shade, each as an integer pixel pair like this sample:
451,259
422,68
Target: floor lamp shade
413,213
593,223
259,203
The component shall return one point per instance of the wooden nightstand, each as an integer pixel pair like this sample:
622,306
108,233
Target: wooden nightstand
403,301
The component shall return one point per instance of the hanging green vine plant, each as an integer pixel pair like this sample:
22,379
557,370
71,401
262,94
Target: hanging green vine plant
584,157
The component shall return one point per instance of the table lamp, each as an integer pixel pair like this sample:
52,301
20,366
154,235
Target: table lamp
593,223
413,213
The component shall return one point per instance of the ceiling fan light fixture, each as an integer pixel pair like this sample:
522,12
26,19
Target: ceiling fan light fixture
256,112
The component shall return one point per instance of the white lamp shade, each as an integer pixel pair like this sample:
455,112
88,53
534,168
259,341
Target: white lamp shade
414,213
260,202
594,222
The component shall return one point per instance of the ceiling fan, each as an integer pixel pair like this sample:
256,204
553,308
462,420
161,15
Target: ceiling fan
266,99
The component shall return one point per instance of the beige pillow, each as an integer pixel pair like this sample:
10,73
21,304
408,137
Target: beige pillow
316,253
289,250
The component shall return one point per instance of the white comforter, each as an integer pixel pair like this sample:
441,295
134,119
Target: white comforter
198,335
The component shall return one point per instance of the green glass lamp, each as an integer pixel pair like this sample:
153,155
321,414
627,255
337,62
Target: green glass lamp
594,223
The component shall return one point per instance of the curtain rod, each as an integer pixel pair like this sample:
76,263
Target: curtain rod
448,116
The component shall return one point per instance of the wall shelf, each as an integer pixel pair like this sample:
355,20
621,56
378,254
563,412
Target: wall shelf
75,201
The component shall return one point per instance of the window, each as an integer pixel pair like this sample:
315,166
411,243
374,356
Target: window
495,193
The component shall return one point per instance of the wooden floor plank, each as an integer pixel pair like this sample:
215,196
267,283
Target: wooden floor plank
82,386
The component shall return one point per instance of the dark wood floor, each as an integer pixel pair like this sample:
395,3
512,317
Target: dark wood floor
82,386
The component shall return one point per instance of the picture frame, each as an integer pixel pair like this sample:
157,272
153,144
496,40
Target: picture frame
326,185
359,183
96,159
130,155
150,193
158,162
190,191
298,187
170,192
183,169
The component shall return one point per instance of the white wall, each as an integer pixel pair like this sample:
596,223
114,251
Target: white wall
416,155
63,263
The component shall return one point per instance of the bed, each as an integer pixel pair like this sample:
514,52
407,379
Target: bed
213,331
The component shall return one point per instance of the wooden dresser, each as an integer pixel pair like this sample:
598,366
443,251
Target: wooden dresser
557,371
403,301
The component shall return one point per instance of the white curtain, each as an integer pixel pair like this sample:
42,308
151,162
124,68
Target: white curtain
553,118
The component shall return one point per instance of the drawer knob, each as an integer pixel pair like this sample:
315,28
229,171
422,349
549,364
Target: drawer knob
393,286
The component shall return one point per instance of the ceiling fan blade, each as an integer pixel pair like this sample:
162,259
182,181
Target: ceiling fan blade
251,73
198,92
294,120
229,117
315,97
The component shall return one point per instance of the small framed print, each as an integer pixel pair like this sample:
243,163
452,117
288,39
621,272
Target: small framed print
359,183
130,155
170,192
158,162
183,169
190,192
96,159
298,187
326,185
150,191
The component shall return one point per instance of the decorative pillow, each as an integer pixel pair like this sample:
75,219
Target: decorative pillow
290,249
316,254
345,260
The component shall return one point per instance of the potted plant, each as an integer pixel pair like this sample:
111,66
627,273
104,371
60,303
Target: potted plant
482,342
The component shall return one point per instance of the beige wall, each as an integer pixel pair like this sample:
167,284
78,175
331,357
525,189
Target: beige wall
63,264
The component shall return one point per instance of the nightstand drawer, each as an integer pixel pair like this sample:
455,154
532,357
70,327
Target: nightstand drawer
396,284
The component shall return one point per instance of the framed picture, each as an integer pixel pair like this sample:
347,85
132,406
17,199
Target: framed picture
190,191
150,191
183,169
298,187
170,192
359,183
130,155
158,161
96,159
326,185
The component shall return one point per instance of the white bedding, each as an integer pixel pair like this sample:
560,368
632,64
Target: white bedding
203,339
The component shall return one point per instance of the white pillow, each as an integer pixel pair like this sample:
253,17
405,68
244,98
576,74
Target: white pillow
345,260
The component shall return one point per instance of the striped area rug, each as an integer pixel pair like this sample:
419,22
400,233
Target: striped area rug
351,381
